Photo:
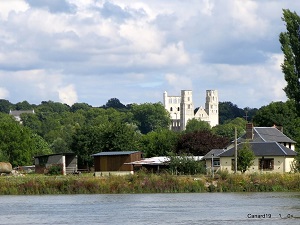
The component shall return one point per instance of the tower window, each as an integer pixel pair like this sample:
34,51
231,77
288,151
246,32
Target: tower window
178,109
171,109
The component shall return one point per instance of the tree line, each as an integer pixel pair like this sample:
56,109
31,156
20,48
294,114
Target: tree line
85,130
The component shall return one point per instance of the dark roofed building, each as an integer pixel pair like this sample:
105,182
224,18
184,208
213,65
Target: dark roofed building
17,113
266,134
274,151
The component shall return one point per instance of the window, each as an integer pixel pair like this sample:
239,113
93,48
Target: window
171,109
178,109
266,164
216,162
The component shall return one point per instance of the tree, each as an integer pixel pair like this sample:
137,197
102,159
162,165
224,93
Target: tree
18,144
228,128
245,157
5,106
290,46
150,117
280,114
195,124
199,143
158,143
114,103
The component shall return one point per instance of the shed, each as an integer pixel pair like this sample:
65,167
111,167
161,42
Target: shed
67,162
107,163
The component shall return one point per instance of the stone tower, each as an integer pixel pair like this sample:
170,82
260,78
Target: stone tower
212,107
186,108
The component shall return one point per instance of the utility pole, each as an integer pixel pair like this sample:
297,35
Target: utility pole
212,164
235,150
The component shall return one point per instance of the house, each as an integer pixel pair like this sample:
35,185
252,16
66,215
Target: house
274,151
213,158
17,114
115,163
269,157
67,162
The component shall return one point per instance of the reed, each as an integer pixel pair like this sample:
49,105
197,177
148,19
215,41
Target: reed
147,183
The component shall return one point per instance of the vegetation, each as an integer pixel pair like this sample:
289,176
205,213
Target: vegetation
148,183
290,46
245,158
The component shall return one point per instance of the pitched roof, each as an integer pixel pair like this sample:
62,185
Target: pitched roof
263,149
115,153
267,134
19,112
216,153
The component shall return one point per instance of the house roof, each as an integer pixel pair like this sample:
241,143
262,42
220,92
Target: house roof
216,153
65,153
267,134
263,149
19,112
115,153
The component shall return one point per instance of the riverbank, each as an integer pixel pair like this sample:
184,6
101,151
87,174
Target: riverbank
147,183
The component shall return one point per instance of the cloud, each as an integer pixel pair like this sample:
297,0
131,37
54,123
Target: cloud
94,50
4,93
68,94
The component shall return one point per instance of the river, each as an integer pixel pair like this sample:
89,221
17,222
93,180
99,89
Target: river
194,208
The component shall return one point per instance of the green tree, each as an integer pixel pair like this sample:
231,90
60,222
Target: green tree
18,144
5,106
158,143
114,103
195,124
290,46
280,114
24,106
150,117
228,128
245,157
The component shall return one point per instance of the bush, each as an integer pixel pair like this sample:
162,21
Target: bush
55,170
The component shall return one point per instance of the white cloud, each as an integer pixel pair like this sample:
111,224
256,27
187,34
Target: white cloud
10,6
68,94
91,51
4,93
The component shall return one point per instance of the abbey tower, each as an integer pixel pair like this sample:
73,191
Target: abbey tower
181,109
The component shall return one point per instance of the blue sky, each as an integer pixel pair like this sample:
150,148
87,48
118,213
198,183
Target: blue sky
92,50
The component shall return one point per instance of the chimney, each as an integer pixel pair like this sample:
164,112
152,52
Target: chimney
249,131
280,128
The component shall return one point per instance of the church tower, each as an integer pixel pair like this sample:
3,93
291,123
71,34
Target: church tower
187,108
212,107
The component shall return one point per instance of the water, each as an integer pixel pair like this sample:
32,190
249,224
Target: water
194,208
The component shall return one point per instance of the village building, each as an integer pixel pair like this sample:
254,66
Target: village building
181,109
115,163
274,151
17,114
66,161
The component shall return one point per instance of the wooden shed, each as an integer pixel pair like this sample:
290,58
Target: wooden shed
107,163
67,162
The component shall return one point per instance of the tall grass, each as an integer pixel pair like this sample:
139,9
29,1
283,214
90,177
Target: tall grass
147,183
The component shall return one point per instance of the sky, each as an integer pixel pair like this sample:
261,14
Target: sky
89,51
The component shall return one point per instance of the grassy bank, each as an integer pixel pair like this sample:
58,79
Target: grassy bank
147,183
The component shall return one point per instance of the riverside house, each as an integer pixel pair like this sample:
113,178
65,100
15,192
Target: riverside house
274,151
